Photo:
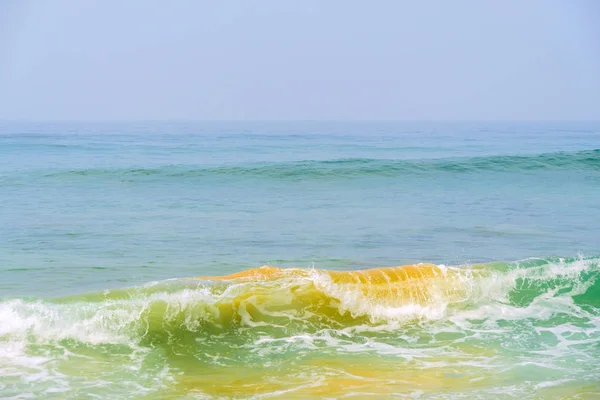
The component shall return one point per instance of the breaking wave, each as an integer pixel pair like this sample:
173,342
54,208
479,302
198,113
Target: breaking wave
314,332
292,301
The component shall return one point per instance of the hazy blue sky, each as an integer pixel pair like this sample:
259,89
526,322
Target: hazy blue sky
325,59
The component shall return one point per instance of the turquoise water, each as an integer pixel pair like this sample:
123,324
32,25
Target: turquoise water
97,221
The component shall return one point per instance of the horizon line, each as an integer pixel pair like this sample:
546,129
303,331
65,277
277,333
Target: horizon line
184,120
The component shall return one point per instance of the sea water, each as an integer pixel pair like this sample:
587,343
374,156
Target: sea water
106,227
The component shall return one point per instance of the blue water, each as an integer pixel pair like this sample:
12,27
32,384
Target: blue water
92,207
108,205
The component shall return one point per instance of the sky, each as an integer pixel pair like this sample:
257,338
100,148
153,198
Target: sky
299,60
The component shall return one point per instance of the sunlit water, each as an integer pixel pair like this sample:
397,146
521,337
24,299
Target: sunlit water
130,255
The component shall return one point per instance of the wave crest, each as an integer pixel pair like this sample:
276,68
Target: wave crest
292,301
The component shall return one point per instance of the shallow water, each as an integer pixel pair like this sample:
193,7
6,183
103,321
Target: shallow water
103,227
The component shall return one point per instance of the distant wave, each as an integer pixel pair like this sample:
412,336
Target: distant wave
351,168
356,167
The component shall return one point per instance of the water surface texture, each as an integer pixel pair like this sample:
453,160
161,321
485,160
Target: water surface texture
131,255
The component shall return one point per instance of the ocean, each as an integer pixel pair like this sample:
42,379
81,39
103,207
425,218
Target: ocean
432,260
